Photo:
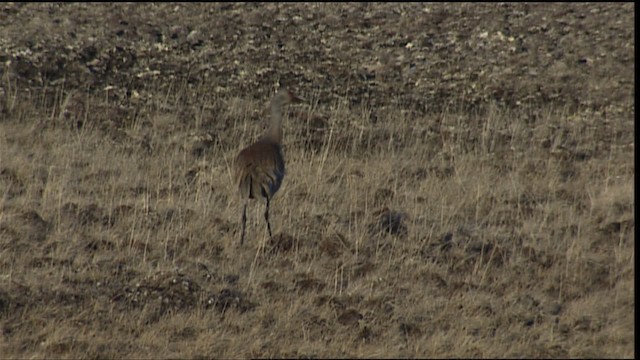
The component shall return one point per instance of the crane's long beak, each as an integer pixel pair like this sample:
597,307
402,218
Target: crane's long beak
295,99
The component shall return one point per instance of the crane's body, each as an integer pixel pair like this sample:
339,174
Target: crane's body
259,167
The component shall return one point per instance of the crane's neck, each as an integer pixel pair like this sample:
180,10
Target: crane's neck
275,128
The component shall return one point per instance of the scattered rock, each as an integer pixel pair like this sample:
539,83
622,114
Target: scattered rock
334,245
305,283
389,222
409,329
230,298
349,317
280,243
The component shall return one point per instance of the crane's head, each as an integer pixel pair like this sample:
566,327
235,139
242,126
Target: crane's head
284,97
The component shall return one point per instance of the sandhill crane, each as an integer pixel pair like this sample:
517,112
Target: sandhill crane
259,168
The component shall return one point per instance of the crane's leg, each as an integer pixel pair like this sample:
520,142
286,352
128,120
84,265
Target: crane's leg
244,222
266,217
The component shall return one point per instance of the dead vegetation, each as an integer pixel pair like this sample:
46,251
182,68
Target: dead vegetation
459,185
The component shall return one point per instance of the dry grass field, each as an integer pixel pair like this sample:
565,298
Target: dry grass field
459,182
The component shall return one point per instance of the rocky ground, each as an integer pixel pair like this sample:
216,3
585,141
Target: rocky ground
425,57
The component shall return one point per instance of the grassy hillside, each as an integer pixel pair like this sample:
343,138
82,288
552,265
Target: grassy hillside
459,183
